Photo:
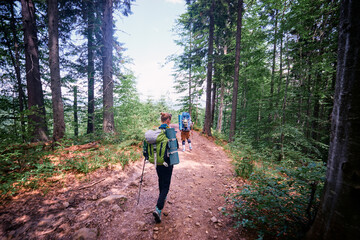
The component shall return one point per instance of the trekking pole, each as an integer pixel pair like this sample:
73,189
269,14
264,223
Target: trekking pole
141,180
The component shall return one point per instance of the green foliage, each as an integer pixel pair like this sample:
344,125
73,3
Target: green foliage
23,168
279,202
132,117
280,198
244,167
282,122
189,66
244,157
79,164
197,116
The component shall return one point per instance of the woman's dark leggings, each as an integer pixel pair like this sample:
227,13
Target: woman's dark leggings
164,175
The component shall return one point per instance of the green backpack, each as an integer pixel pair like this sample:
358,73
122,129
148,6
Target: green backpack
157,143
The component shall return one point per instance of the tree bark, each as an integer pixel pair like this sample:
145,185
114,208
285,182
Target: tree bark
190,76
339,213
22,100
283,121
108,83
316,111
280,69
221,108
75,108
309,99
13,46
221,104
243,103
207,123
57,103
236,75
190,84
213,103
37,117
273,66
91,67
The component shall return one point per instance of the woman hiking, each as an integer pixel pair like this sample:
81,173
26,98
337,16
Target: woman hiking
164,171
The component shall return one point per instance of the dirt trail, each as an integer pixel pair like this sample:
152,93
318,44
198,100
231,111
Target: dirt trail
192,210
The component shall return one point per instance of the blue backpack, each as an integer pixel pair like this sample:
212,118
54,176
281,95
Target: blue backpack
185,122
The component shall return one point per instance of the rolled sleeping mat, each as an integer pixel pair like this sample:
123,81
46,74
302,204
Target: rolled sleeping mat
173,152
180,123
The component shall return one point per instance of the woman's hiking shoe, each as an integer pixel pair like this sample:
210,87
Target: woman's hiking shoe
157,215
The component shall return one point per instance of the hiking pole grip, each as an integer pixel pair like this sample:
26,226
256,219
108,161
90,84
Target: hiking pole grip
141,180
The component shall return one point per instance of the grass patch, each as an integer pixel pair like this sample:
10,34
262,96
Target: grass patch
27,168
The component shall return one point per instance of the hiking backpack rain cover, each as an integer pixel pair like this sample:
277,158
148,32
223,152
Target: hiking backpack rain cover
185,121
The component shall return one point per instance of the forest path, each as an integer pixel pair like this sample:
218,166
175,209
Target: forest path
109,208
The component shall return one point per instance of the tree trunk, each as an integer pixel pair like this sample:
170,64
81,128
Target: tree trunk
259,116
280,70
213,103
339,213
37,117
91,67
190,100
190,77
285,102
57,103
13,46
300,77
221,108
243,103
273,66
108,83
281,54
316,112
236,75
75,108
22,100
207,123
221,104
310,94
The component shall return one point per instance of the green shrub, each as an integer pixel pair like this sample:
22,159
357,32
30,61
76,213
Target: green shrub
280,203
244,157
244,167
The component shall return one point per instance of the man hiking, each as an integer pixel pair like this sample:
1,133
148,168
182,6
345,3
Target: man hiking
185,127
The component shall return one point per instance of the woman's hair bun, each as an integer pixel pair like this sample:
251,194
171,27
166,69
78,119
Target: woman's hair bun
165,116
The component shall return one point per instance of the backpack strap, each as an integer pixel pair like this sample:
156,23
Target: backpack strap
155,157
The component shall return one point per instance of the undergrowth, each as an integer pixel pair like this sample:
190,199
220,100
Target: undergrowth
24,167
280,198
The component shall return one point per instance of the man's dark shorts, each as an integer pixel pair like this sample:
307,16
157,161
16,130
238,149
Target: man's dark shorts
185,135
